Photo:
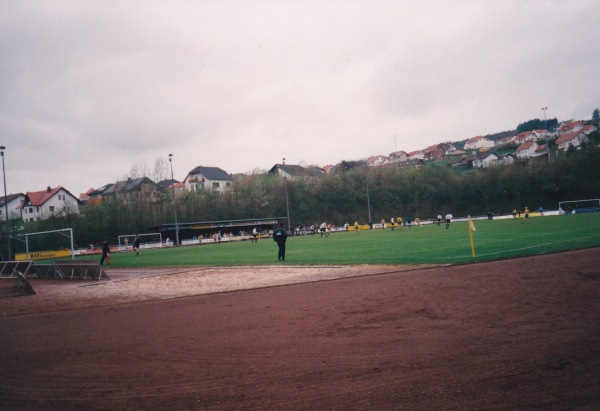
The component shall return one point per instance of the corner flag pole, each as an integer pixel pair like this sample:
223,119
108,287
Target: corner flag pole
471,231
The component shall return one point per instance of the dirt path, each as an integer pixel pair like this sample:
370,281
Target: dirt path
517,334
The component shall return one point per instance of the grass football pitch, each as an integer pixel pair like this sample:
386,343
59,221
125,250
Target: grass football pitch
428,244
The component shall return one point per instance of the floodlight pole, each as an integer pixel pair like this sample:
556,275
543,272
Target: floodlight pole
368,201
2,148
174,207
546,132
287,202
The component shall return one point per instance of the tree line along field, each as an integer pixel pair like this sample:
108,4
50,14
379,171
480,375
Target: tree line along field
428,244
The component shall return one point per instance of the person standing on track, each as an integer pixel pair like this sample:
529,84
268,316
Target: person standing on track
280,236
105,253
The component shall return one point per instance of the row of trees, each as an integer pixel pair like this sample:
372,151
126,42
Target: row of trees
344,197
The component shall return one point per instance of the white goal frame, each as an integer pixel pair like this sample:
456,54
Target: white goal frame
591,200
60,232
152,244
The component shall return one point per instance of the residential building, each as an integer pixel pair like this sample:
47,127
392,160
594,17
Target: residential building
208,178
293,172
574,139
415,155
375,161
398,156
527,149
134,190
411,163
505,140
40,205
505,160
570,127
478,142
434,152
14,203
99,195
486,159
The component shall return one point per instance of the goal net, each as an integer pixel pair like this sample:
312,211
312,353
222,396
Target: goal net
151,240
579,206
45,245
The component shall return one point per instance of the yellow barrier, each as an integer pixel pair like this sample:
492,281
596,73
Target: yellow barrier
43,255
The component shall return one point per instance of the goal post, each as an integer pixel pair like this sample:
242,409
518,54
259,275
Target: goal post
148,240
45,245
579,206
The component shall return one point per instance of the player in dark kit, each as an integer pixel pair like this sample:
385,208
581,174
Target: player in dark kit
280,236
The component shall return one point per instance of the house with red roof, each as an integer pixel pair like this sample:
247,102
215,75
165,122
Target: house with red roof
415,155
375,161
434,152
574,139
570,127
525,137
527,149
478,142
40,205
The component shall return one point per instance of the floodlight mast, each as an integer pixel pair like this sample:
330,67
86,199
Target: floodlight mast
546,132
174,207
287,202
2,148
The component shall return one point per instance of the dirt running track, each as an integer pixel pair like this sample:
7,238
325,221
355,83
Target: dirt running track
519,334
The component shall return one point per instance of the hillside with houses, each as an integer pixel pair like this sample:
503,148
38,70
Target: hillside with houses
478,152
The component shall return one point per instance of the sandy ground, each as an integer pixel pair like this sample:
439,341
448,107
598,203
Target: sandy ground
515,334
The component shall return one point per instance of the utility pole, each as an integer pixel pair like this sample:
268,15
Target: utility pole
2,148
174,206
546,132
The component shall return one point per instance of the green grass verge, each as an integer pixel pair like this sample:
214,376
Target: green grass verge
429,244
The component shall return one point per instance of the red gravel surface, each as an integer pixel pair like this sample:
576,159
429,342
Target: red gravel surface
515,334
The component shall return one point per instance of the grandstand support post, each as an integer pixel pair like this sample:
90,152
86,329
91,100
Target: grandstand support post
174,206
2,148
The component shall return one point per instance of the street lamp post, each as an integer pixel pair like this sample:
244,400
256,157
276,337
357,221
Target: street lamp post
368,201
546,132
2,148
287,201
174,207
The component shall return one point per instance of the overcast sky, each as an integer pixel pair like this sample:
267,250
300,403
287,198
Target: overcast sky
91,89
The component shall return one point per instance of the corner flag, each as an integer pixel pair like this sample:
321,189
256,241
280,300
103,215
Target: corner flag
471,231
471,225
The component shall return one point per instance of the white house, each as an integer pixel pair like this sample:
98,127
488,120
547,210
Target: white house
505,160
485,160
398,156
478,142
14,203
208,178
415,155
40,205
575,139
525,136
527,149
